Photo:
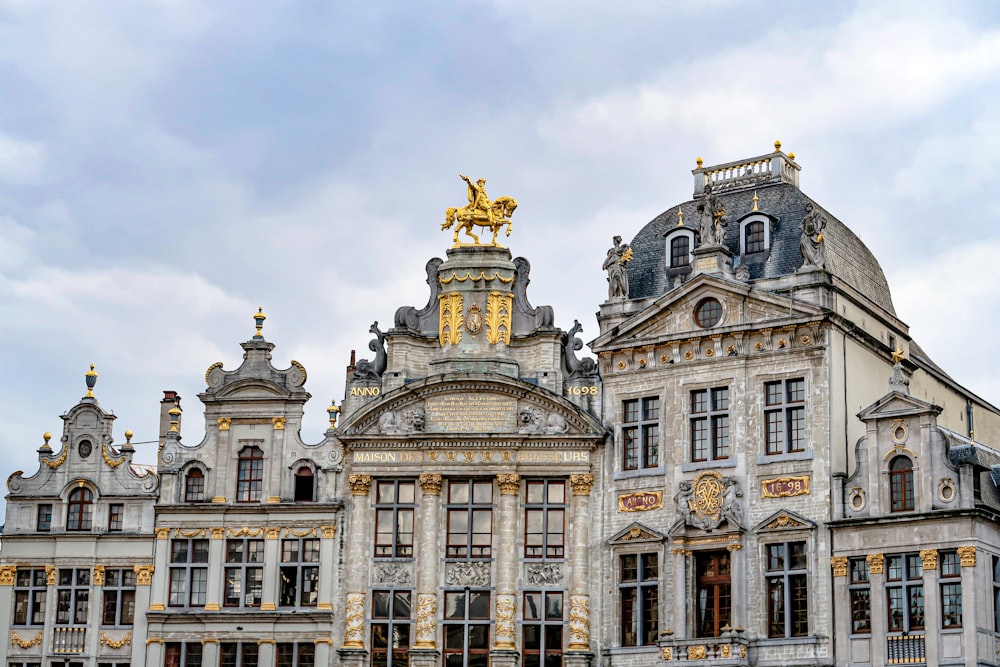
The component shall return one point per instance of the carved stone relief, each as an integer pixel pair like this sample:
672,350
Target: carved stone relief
392,573
531,420
468,574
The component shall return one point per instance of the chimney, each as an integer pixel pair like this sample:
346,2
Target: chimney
351,367
170,401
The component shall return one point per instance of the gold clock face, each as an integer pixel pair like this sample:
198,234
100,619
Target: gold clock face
474,320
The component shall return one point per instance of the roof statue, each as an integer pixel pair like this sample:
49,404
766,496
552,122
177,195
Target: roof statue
480,212
813,250
713,218
618,256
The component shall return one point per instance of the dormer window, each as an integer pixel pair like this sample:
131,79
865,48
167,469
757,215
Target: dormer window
680,242
80,512
755,234
250,475
304,486
901,494
194,486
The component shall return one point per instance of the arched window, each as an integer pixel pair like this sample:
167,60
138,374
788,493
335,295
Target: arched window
250,475
901,485
81,509
680,252
304,487
194,486
754,237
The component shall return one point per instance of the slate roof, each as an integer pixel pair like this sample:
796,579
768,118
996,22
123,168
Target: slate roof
847,256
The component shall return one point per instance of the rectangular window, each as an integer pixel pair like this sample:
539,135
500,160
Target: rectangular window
861,597
638,591
542,629
44,519
680,253
951,590
466,628
785,416
244,573
182,654
787,590
904,592
394,507
299,573
118,605
116,512
714,593
544,518
30,589
710,424
392,628
299,654
238,654
188,572
641,433
73,596
470,519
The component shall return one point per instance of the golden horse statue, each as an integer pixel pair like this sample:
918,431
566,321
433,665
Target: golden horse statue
481,212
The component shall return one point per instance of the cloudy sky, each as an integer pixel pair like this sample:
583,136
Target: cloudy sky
168,167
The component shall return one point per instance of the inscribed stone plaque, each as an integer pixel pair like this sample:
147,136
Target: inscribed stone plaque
476,413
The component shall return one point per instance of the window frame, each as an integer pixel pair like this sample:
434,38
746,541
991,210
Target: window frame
398,510
547,627
80,510
183,654
789,417
670,237
784,575
908,584
638,598
118,595
859,591
950,588
73,586
239,654
396,620
303,654
902,490
43,518
183,575
30,597
466,624
191,493
250,475
300,494
766,239
708,448
296,569
539,544
640,429
462,545
721,584
243,573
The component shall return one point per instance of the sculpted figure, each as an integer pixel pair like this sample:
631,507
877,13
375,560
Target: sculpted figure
372,370
478,201
685,492
480,212
618,256
732,509
576,368
812,246
713,218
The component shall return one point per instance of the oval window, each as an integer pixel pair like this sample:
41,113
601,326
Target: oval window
708,313
85,448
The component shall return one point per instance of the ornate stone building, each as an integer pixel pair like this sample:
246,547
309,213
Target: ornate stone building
711,490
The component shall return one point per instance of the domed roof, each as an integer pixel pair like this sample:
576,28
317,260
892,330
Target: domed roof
784,204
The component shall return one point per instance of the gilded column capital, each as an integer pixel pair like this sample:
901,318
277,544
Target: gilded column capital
98,576
361,485
328,532
278,423
967,556
876,563
225,423
162,533
430,483
272,533
143,574
735,546
50,575
7,575
839,564
217,533
581,484
509,483
930,558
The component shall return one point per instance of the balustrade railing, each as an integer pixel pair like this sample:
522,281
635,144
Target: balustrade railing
775,167
69,639
905,650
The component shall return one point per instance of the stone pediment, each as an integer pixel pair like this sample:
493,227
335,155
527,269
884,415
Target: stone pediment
636,533
672,315
895,405
256,378
784,520
461,406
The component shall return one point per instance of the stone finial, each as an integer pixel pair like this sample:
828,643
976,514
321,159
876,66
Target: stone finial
361,485
333,411
91,377
259,322
777,145
46,437
430,484
699,161
175,415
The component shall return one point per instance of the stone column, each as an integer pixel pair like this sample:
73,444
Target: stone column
932,605
266,651
7,577
225,458
158,595
738,576
504,651
209,652
327,547
154,652
842,623
323,657
970,603
681,593
876,580
353,653
272,559
143,589
425,653
578,651
216,566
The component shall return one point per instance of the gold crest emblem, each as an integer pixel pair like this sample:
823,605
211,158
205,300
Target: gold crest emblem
474,320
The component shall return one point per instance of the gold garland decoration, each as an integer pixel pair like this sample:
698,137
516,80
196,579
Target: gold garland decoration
59,461
25,643
124,641
468,276
110,461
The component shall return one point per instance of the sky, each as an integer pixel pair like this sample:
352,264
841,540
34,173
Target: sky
168,167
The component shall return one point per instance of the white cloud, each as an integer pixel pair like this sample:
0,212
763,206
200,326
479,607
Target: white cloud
21,162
